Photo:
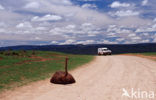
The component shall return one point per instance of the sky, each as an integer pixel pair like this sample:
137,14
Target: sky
63,22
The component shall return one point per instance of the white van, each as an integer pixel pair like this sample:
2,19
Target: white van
104,51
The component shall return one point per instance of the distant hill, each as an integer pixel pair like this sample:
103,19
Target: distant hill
89,49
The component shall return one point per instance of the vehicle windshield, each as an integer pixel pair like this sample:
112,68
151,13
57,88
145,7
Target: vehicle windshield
104,49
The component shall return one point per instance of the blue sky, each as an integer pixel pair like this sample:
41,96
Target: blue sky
46,22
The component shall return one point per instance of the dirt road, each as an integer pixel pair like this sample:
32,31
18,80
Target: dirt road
102,79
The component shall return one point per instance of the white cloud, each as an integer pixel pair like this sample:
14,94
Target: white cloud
145,34
132,35
154,26
86,42
120,39
140,30
87,0
1,7
70,41
66,2
91,35
111,34
41,28
24,25
73,31
145,41
144,2
150,28
2,30
54,42
87,24
61,2
154,40
70,26
10,17
47,18
117,4
2,24
108,42
37,38
89,41
112,29
21,25
123,31
56,31
123,13
136,38
34,5
80,42
93,6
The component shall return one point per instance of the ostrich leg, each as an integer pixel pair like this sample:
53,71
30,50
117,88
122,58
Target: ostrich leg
66,64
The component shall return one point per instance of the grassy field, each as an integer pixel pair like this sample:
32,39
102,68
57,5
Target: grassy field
21,67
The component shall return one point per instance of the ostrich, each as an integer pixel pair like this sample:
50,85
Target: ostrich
61,77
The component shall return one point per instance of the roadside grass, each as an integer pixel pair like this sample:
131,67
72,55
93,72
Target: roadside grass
149,53
145,54
34,65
